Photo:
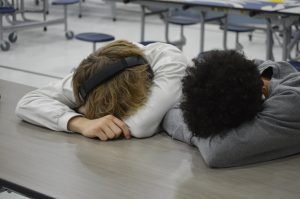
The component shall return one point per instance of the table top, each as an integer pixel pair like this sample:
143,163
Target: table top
249,5
291,11
66,165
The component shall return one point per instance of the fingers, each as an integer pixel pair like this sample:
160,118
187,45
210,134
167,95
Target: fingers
113,128
110,132
123,127
101,135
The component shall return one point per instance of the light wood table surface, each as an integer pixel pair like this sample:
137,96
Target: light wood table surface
70,166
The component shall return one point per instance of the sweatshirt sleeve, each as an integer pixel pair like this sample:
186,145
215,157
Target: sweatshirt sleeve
50,106
174,125
273,134
168,64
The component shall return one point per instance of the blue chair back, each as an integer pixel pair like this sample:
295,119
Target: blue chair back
296,64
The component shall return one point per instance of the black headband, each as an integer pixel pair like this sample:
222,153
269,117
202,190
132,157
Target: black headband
110,71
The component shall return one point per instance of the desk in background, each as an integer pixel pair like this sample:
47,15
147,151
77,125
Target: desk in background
65,166
278,12
15,23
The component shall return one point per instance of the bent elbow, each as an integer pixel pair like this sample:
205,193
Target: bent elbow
219,159
214,162
19,109
143,131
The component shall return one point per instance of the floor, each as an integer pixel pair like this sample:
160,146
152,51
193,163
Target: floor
50,56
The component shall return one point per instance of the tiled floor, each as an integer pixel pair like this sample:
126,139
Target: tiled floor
51,54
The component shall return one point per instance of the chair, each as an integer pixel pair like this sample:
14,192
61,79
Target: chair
186,18
80,8
241,24
237,30
94,38
6,10
37,2
181,18
178,17
65,3
296,64
150,11
145,43
293,42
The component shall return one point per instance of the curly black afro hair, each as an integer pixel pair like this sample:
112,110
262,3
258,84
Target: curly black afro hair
221,92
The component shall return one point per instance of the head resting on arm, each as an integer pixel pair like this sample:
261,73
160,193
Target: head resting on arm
120,94
222,91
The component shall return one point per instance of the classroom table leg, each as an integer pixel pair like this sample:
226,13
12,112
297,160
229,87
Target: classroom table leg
225,32
143,23
269,38
202,31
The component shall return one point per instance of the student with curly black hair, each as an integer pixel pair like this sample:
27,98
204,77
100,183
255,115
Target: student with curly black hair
222,91
236,111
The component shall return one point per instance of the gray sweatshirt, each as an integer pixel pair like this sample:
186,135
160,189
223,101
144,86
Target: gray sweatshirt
273,133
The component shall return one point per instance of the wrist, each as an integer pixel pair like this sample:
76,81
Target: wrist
76,124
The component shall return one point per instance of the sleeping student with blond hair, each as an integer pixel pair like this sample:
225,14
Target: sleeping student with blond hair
123,89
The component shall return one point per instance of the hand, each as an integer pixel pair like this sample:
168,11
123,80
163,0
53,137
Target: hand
104,128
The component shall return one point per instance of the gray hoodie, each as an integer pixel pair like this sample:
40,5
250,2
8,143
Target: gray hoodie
274,132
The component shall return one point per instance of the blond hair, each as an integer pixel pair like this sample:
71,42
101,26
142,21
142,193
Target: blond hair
121,95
